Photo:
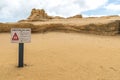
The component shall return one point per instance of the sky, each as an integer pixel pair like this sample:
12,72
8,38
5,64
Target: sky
15,10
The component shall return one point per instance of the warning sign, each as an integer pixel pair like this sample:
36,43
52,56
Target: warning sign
15,37
20,35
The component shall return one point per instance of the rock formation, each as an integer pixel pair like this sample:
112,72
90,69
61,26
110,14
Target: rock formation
110,16
41,15
76,16
58,17
105,25
38,14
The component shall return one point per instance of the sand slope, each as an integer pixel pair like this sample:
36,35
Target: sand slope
62,56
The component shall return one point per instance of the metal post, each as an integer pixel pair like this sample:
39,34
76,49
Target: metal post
21,55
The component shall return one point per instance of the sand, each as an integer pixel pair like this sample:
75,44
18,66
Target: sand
62,56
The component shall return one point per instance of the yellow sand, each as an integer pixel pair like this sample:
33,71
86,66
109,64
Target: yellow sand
62,56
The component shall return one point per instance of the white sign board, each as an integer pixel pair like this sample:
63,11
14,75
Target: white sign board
20,35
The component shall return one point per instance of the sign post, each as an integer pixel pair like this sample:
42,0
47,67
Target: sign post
21,55
21,36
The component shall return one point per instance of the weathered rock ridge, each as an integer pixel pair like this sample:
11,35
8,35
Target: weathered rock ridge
40,22
41,15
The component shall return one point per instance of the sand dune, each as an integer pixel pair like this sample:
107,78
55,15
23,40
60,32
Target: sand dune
62,56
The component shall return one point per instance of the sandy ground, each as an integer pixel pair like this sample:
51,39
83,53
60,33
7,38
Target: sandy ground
62,56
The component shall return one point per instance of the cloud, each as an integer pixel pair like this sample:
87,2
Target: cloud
113,7
19,9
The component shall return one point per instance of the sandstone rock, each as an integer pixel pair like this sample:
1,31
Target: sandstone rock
58,17
38,14
106,25
76,16
110,16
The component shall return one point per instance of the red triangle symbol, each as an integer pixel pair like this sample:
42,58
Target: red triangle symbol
15,37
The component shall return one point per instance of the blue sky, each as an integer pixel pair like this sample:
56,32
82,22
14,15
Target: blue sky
14,10
105,10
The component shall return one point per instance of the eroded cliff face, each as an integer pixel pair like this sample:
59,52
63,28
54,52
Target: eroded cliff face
39,21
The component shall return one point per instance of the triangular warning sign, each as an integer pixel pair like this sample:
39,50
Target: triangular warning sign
15,37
